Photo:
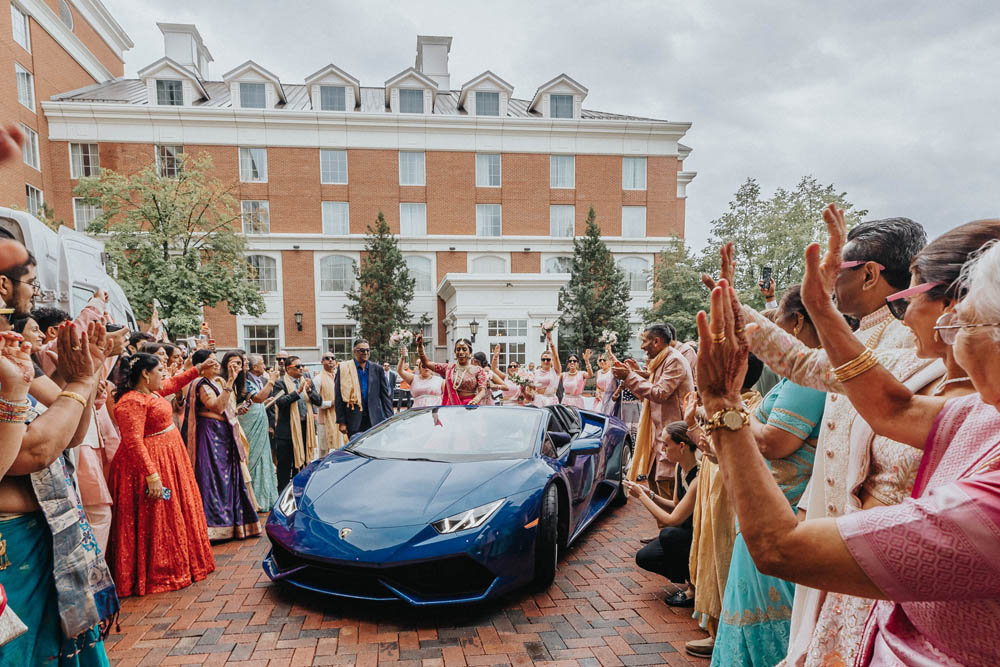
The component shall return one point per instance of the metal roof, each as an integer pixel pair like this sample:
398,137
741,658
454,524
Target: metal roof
133,91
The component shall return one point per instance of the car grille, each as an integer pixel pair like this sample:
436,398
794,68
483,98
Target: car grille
453,577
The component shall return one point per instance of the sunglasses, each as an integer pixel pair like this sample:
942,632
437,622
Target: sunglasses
293,367
898,302
948,325
363,350
328,358
544,359
855,263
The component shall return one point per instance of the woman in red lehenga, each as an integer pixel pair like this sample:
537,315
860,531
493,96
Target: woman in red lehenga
159,540
464,382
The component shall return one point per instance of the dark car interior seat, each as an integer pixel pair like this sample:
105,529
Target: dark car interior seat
564,419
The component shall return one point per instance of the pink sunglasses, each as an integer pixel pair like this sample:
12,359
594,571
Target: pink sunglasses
899,301
854,263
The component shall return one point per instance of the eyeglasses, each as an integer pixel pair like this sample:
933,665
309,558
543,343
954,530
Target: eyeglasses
948,326
35,287
544,359
363,350
855,263
898,302
328,359
291,368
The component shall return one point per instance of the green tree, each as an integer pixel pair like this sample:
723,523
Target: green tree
678,294
596,296
773,232
383,290
176,240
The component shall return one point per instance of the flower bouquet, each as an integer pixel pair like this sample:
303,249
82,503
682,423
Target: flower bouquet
608,337
521,378
548,326
401,338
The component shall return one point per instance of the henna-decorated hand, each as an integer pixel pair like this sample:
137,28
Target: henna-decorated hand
723,349
16,369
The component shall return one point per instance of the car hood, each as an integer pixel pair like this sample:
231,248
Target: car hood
386,493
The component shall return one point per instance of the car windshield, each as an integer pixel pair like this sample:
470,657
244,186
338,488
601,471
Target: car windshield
454,434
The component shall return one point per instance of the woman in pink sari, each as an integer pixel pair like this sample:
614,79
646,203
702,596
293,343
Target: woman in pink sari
574,379
464,382
546,376
426,388
931,562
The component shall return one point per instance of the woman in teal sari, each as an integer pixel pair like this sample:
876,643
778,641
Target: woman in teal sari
254,422
757,609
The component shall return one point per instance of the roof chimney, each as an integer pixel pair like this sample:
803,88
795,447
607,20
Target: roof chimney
432,59
182,44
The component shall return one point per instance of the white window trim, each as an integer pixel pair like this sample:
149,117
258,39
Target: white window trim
430,266
41,198
645,173
572,222
31,138
323,219
319,274
76,222
343,87
477,93
72,172
243,222
403,89
572,185
423,156
500,158
239,164
21,69
412,203
489,236
277,270
504,257
27,26
645,223
239,92
156,158
346,167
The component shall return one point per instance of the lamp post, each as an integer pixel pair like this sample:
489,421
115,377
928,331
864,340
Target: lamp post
298,320
473,329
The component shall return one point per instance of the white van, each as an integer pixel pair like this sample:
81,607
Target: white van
71,266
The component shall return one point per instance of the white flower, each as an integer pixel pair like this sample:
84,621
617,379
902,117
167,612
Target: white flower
548,325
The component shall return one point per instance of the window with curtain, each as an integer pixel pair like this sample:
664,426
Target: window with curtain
84,213
487,104
84,160
336,218
34,200
411,100
253,95
332,98
413,219
253,165
25,86
336,273
265,271
169,92
561,220
420,271
560,106
634,221
488,170
256,215
634,173
168,160
488,221
489,264
558,264
339,339
332,166
562,171
19,22
29,152
262,339
411,168
636,273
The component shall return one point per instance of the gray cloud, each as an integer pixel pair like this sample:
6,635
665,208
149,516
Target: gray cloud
894,102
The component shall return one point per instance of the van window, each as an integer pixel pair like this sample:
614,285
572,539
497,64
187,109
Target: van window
79,298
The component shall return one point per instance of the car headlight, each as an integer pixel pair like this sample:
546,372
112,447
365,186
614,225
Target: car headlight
468,519
286,502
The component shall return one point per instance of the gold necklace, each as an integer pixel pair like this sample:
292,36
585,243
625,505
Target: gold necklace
456,379
876,336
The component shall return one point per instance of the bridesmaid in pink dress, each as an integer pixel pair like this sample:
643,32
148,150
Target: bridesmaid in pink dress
512,390
574,380
426,388
547,376
605,385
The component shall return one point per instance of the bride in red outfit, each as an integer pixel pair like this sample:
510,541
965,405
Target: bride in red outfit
159,538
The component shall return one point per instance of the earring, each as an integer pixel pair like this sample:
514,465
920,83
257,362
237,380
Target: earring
937,338
798,325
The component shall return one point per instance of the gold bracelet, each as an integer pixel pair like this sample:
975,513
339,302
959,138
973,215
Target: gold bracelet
75,396
861,364
155,477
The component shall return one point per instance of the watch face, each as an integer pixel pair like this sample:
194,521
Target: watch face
733,420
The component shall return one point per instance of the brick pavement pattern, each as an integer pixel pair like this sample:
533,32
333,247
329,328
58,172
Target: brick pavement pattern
601,610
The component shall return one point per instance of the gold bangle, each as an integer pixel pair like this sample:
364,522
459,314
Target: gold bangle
863,363
155,477
75,396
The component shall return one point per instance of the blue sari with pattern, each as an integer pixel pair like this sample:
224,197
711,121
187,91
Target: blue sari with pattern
757,609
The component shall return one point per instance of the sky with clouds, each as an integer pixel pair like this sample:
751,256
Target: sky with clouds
894,102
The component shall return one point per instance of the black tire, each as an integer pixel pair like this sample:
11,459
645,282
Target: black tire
547,540
621,496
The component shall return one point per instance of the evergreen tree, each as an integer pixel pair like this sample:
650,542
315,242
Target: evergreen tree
596,296
678,294
383,290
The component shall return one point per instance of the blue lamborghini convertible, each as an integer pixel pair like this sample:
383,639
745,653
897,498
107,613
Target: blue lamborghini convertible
447,505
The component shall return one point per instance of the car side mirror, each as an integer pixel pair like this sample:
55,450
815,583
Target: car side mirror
585,448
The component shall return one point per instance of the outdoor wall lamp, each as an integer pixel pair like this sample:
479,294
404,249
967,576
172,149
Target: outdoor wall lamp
298,320
473,329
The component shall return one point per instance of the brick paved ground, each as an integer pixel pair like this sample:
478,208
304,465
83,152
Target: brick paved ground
602,610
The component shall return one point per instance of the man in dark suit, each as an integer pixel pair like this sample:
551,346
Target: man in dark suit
295,393
368,400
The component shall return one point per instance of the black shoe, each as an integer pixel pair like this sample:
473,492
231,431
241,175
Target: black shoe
647,540
679,599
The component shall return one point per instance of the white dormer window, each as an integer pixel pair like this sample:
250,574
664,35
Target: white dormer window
411,100
487,103
170,92
332,98
561,97
253,96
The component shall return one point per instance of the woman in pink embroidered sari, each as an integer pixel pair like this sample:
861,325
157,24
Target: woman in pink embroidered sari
546,376
574,379
932,562
464,382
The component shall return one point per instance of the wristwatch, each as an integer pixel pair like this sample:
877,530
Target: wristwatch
731,419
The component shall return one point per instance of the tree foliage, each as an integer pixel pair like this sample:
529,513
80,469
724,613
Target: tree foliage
678,294
380,298
174,239
596,297
773,232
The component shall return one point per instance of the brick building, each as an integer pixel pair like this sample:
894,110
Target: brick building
484,188
48,47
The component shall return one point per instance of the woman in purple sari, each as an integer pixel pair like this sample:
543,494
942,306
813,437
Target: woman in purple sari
213,442
932,563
